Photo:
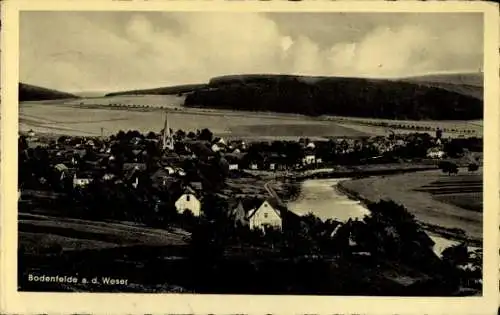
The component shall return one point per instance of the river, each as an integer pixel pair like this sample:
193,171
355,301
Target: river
320,197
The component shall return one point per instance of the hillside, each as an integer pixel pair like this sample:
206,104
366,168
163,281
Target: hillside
177,89
29,92
375,98
470,84
469,79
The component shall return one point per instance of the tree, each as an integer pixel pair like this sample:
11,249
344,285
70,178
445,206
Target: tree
180,134
448,167
206,135
22,143
473,167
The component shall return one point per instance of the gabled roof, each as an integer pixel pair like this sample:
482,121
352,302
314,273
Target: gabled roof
274,203
61,167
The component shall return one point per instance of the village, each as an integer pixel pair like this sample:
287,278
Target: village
180,169
229,193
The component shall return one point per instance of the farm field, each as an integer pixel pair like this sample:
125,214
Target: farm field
455,128
433,197
75,120
87,116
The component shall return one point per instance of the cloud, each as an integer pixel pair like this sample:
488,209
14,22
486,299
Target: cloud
79,51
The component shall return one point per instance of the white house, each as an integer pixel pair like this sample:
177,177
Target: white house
108,176
180,172
188,201
216,147
170,170
266,214
311,145
435,153
233,167
309,159
31,133
81,181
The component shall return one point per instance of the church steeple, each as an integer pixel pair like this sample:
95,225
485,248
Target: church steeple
167,139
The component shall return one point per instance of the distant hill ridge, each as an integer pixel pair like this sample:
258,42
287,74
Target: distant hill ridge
28,92
170,90
434,97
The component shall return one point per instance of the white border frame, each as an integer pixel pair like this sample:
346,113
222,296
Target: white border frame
23,303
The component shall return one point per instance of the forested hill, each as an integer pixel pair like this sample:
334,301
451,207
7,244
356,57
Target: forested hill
376,98
470,84
29,92
170,90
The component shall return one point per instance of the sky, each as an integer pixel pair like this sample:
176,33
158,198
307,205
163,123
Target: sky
114,51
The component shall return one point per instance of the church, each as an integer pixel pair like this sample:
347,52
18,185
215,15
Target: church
167,137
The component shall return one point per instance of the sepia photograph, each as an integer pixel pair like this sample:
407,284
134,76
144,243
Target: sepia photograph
251,152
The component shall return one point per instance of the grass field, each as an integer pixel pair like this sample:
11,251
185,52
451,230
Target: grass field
433,197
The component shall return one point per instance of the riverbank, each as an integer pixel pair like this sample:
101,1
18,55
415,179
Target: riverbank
439,218
359,171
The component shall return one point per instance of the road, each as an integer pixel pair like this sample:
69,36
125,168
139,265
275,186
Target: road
273,193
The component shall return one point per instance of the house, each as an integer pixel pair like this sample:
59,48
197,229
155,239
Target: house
309,159
159,178
201,149
108,176
62,170
276,161
81,180
180,172
267,214
311,145
219,141
216,147
253,160
239,215
188,201
90,143
31,133
170,170
234,160
435,153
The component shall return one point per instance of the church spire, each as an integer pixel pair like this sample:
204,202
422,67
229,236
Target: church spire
167,140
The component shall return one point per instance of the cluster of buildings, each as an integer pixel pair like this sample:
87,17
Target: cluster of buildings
75,162
78,161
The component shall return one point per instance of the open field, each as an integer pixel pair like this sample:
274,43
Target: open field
450,127
87,116
428,196
73,120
